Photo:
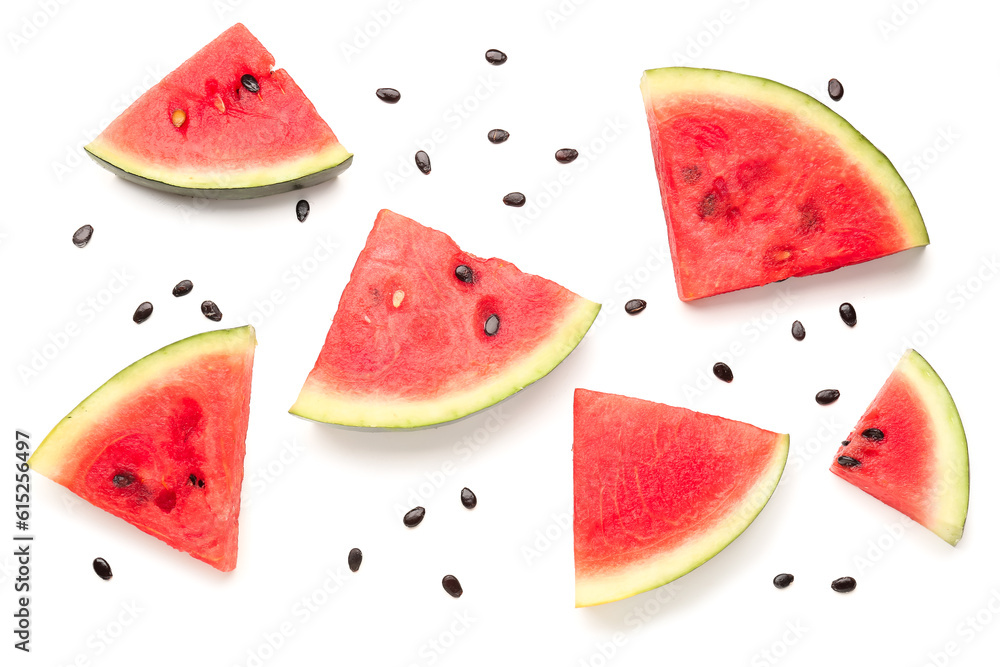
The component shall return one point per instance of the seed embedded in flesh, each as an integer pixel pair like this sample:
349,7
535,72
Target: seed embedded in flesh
250,83
845,443
452,586
496,57
723,372
397,298
220,105
798,331
635,306
498,136
414,517
514,199
844,584
875,434
178,117
81,237
464,273
302,210
827,396
836,89
783,580
182,288
566,155
142,312
848,462
388,95
211,311
123,480
354,559
492,325
469,499
102,569
423,162
848,314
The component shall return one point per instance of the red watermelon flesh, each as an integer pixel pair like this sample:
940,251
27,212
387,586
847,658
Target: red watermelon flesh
659,490
918,460
408,345
161,444
761,182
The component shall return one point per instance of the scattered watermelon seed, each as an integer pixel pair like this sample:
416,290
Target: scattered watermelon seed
192,479
635,306
142,312
211,311
875,434
397,298
123,480
798,331
492,325
201,484
423,162
354,559
691,174
452,586
220,105
514,199
827,396
102,569
836,89
845,443
498,136
250,83
566,155
414,517
848,462
302,210
469,499
848,314
783,580
389,96
723,372
464,273
81,237
844,584
495,57
183,288
178,117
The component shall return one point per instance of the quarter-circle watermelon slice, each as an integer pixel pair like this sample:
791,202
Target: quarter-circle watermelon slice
659,490
761,182
909,450
426,333
161,444
206,130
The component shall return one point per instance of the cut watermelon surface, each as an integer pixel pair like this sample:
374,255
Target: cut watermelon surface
161,444
909,450
761,182
203,132
426,333
659,490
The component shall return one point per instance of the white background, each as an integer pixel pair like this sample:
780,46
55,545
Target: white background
920,80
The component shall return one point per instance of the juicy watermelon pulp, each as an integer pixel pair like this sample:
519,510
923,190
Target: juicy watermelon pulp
161,444
920,466
408,345
659,490
761,182
230,143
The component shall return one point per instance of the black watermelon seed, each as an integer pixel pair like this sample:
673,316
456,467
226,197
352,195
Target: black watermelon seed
875,434
464,273
566,155
723,372
783,580
469,499
848,462
707,206
495,57
354,559
250,83
142,312
81,237
102,569
423,161
798,331
211,311
635,306
123,479
845,443
848,314
844,584
492,325
192,479
498,136
836,89
183,287
201,484
414,517
452,586
514,199
827,396
302,210
387,95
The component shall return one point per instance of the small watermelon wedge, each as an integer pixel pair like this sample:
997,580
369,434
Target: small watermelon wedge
161,444
761,182
426,333
909,450
223,125
659,490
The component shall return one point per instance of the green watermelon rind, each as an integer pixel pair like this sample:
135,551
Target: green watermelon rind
363,413
663,568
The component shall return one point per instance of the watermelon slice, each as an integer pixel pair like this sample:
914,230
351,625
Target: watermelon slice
659,490
761,182
909,450
426,332
202,132
161,444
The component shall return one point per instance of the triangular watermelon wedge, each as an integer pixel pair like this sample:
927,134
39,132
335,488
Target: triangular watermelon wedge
203,131
659,490
909,450
426,333
161,444
761,182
